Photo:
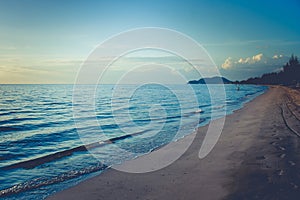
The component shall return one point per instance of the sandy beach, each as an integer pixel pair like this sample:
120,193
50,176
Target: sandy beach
256,157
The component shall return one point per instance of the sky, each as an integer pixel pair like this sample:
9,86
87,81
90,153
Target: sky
47,41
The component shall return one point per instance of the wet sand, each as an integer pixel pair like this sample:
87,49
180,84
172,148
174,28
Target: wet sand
256,157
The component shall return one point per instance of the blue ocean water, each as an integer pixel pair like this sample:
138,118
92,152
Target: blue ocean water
41,140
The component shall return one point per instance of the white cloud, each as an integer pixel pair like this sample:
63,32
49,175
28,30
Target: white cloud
257,57
228,63
244,60
277,56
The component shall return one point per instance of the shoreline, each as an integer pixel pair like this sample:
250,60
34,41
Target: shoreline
223,174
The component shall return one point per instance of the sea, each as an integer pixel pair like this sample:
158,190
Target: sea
44,128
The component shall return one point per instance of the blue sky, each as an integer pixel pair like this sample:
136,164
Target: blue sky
45,41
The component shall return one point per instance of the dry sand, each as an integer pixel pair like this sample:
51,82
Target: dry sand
256,157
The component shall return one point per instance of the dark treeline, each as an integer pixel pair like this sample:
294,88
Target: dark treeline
289,76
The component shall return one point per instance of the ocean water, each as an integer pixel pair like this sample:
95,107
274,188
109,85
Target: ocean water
43,129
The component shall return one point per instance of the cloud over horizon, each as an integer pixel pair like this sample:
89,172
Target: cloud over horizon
230,62
258,60
252,66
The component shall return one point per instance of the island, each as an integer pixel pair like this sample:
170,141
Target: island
211,80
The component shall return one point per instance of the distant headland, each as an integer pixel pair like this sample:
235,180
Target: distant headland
212,80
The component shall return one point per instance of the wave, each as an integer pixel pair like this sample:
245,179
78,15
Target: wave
40,182
8,129
16,120
57,103
27,140
204,106
29,164
32,163
30,126
16,112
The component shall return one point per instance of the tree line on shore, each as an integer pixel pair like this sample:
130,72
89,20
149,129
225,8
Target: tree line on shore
289,75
